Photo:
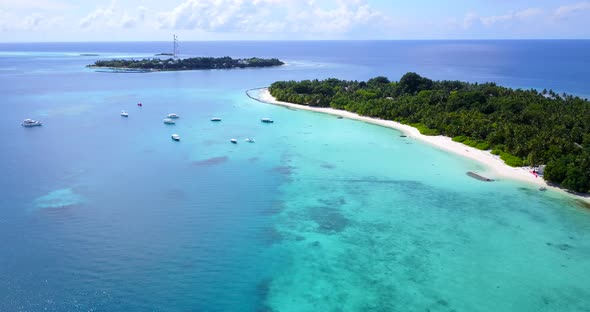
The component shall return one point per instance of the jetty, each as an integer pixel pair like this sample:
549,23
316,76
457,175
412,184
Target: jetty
479,177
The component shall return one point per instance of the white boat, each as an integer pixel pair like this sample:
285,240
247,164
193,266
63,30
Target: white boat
169,121
250,140
31,123
216,119
267,120
176,137
124,114
234,141
172,115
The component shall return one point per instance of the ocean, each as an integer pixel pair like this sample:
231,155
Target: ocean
104,213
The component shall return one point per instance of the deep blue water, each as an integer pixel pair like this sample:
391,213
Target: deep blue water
562,65
102,213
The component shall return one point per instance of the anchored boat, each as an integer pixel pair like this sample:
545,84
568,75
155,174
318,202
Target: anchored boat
31,123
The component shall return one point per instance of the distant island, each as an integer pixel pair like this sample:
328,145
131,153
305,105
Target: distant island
193,63
523,127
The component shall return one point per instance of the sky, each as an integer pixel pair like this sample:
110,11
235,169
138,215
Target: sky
191,20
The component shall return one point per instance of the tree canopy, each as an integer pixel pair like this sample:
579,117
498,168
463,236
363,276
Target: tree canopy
523,127
188,63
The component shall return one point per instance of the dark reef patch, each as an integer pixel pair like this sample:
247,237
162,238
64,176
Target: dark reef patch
263,292
336,202
210,162
405,183
564,247
270,236
327,166
534,216
274,207
329,220
283,170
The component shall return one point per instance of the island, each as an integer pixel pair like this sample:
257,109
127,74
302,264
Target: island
541,129
193,63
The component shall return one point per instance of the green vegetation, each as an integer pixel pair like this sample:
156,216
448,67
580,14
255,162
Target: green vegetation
524,127
511,160
188,63
424,129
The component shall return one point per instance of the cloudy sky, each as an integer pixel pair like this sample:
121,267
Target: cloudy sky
116,20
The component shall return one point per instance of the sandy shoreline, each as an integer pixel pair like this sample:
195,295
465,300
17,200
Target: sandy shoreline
496,168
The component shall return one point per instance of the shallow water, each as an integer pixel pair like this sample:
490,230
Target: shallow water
105,213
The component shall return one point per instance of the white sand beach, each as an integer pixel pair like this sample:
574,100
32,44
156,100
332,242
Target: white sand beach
496,168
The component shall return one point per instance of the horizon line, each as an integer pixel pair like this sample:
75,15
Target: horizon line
304,40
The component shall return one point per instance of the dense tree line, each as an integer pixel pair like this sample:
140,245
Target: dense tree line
188,63
524,127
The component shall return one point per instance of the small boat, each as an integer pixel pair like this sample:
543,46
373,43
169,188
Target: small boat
403,136
31,123
176,137
169,121
250,140
124,114
172,115
139,104
267,120
234,141
216,119
542,189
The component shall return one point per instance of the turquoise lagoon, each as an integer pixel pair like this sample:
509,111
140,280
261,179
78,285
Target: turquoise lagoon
102,213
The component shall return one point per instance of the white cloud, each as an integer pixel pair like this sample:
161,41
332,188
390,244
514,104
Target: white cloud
11,22
33,21
128,22
491,20
334,16
472,18
142,13
100,15
529,13
469,19
567,10
39,5
113,16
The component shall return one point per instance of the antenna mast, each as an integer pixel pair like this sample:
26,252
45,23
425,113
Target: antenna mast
175,51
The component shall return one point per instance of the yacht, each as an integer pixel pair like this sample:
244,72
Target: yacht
267,120
176,137
31,123
169,121
124,114
234,141
216,119
172,115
